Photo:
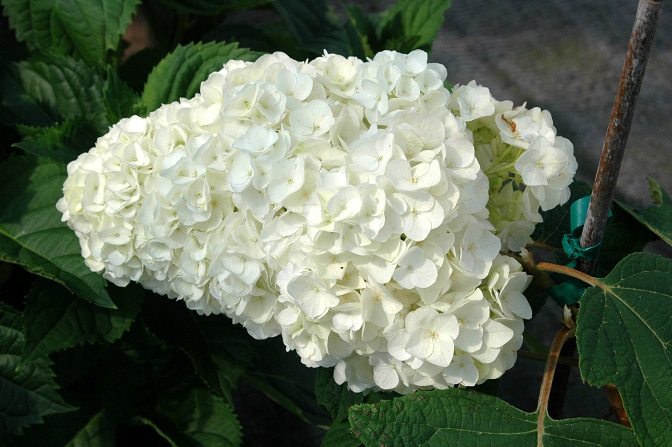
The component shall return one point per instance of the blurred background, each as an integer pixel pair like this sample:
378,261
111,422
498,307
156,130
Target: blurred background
566,56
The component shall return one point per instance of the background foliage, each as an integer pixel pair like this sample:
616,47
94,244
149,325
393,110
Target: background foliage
83,361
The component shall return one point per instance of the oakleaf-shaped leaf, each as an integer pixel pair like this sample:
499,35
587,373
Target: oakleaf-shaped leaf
27,392
57,319
412,24
624,336
463,417
657,217
198,418
179,75
32,234
83,28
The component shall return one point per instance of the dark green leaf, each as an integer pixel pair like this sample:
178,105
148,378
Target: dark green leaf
98,432
624,335
462,417
27,392
181,72
57,319
83,28
361,31
32,234
657,217
623,235
65,88
140,368
312,26
219,350
62,142
335,398
119,99
197,418
285,380
340,435
412,24
73,429
213,7
16,106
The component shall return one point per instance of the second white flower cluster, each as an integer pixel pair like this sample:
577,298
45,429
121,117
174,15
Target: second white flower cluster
357,209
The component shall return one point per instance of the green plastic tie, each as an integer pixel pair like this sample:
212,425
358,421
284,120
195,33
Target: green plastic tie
570,290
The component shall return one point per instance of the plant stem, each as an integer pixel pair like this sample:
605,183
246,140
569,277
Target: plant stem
622,113
561,337
617,405
615,141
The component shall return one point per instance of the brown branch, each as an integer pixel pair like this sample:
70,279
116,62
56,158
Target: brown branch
616,404
622,113
561,337
615,141
556,268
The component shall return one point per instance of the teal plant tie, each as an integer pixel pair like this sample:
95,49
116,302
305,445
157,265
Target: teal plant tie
570,290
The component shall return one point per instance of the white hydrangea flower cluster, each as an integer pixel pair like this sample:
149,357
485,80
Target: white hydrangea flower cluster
355,208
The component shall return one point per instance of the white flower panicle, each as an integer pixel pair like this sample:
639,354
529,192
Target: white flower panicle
357,209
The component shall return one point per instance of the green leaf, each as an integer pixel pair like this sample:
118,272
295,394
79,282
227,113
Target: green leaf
120,100
624,335
62,142
16,106
219,350
98,432
73,429
623,235
463,417
27,392
82,28
340,435
285,380
197,418
180,73
213,7
56,319
312,26
657,217
362,32
65,88
413,24
335,398
139,369
32,234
